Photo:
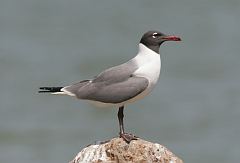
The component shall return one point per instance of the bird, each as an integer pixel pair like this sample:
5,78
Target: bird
123,84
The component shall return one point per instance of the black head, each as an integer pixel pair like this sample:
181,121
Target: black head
153,39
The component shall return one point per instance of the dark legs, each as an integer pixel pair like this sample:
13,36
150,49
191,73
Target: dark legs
120,119
127,137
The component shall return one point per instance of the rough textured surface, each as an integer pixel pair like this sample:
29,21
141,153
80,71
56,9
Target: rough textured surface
117,150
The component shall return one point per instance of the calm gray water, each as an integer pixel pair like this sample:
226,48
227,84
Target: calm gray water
194,110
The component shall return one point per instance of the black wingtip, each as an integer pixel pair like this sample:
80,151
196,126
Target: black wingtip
49,89
44,90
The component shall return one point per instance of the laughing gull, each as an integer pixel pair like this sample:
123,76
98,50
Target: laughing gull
122,84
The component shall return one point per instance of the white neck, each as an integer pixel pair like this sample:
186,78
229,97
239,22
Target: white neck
142,47
146,55
149,63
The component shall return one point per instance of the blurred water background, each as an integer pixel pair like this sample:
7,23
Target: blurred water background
194,110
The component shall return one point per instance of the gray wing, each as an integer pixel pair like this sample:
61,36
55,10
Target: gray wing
112,75
108,92
113,85
73,89
117,73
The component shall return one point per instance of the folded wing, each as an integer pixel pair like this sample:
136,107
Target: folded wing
108,91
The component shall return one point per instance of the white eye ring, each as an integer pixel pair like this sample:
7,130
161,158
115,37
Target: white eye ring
154,35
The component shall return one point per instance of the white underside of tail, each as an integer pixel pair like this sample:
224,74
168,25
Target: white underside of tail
58,93
64,92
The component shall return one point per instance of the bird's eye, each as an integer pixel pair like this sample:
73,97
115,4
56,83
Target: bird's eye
154,35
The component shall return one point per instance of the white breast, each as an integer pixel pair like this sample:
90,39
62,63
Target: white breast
149,63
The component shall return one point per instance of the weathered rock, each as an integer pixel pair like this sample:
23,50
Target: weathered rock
118,151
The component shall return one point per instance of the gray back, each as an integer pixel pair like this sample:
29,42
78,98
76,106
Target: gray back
117,73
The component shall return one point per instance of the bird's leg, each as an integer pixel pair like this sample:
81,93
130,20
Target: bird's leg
120,119
127,137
